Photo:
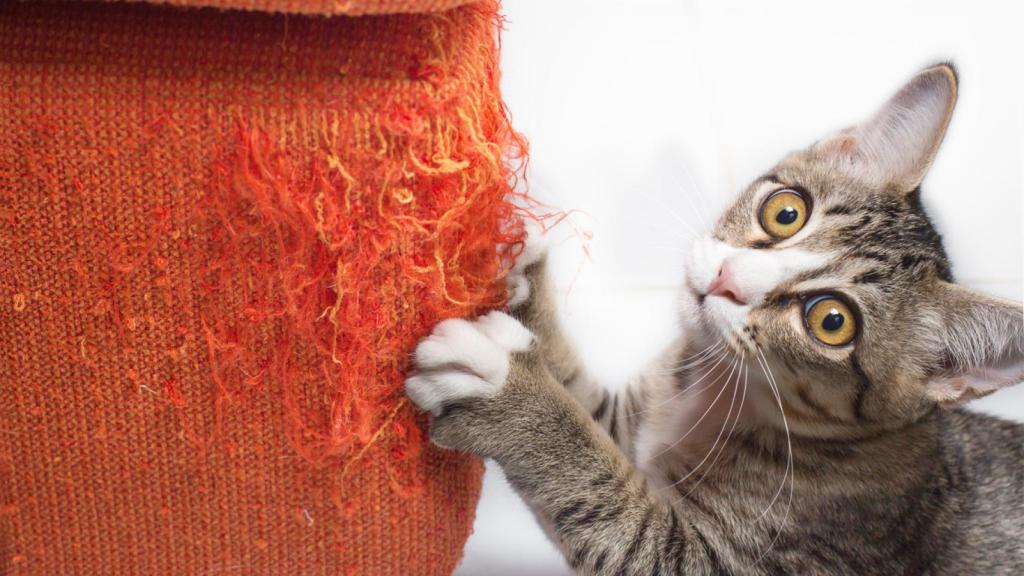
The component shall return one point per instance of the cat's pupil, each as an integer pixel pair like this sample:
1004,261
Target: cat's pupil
787,216
832,322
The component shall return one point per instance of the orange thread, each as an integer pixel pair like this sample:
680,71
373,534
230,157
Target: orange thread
215,245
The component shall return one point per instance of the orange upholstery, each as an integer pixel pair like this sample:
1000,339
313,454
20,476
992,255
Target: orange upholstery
221,233
323,7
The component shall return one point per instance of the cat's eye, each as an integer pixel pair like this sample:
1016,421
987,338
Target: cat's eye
784,213
830,320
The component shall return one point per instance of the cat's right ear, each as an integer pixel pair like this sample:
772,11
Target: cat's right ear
895,147
980,341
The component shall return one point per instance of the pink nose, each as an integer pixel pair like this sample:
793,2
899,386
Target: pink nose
724,285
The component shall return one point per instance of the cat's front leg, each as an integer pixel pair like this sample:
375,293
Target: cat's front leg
491,394
532,301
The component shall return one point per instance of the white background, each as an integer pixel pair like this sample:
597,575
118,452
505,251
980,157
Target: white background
648,115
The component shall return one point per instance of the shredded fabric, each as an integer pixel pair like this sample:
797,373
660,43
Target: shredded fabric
335,278
223,234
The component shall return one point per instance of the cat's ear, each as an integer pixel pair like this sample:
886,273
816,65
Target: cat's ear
980,341
895,147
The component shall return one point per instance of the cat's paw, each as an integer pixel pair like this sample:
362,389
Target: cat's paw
535,250
464,360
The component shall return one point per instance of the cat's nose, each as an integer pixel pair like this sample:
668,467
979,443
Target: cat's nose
724,285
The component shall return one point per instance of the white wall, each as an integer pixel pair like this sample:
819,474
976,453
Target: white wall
647,115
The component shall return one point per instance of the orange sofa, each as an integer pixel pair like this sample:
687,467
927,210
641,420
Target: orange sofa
223,226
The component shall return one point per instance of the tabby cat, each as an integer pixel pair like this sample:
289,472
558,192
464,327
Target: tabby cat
807,421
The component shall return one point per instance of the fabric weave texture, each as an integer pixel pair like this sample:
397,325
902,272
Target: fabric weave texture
322,7
222,232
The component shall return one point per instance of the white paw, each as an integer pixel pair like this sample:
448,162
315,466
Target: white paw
465,359
534,248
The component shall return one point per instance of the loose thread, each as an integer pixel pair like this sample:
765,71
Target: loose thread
373,439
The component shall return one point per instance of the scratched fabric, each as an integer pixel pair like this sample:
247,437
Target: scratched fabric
221,234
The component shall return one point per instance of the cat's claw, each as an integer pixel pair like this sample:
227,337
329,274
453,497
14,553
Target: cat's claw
465,359
535,247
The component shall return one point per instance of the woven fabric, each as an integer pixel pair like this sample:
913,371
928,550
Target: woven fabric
323,7
221,235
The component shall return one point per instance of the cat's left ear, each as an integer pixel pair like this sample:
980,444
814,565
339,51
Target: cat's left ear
981,342
896,146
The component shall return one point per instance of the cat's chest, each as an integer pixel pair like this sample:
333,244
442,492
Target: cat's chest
693,422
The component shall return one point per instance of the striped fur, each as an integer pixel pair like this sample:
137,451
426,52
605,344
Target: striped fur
750,448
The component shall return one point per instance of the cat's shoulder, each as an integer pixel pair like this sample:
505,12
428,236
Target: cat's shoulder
982,436
971,420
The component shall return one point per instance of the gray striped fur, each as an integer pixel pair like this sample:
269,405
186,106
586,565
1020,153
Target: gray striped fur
692,469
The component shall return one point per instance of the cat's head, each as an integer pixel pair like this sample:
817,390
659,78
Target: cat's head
829,264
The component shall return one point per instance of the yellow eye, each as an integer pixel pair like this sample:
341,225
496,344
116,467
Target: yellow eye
830,320
784,213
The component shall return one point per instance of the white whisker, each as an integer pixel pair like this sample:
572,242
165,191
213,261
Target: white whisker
699,420
690,187
720,357
693,186
683,363
766,370
675,215
739,412
789,457
674,370
725,423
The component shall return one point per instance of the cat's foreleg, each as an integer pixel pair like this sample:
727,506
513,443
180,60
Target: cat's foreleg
491,393
533,302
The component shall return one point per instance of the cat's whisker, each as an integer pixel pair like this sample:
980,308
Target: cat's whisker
692,360
712,450
690,390
717,354
789,457
690,187
686,362
735,421
675,215
698,211
674,370
673,243
766,370
734,364
720,357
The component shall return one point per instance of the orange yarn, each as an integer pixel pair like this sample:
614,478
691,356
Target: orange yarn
349,274
223,233
339,7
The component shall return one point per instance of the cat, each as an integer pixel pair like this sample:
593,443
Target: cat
808,419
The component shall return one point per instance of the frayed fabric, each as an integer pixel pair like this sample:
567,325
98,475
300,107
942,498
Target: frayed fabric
222,235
